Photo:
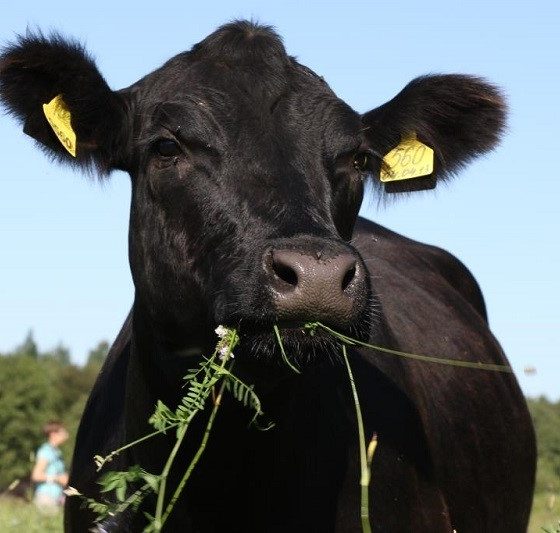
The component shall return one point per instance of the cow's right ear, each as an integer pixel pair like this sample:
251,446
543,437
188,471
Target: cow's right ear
459,117
37,69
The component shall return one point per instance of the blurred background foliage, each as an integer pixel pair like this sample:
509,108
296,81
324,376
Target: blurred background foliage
36,387
546,417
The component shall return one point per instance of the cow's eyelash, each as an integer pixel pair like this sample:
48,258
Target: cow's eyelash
375,158
166,147
151,140
186,143
183,139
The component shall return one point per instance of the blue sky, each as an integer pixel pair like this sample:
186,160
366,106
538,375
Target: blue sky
63,239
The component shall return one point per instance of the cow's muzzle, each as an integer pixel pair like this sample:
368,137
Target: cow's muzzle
316,282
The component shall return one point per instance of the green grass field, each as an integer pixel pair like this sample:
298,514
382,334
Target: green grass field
16,515
546,514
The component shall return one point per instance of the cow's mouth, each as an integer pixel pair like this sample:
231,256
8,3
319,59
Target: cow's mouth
302,345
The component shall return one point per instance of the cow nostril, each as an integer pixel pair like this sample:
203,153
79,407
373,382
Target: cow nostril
348,277
285,273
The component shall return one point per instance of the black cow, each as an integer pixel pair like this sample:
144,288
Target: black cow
247,176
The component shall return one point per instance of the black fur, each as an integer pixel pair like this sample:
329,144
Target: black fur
237,152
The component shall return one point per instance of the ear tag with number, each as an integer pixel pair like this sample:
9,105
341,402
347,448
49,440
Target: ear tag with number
59,118
410,159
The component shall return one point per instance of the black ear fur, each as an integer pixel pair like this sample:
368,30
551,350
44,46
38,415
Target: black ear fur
35,69
459,116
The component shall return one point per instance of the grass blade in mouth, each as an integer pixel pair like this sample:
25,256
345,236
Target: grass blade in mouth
281,345
312,326
366,457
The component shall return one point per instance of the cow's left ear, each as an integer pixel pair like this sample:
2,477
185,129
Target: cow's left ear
37,70
458,116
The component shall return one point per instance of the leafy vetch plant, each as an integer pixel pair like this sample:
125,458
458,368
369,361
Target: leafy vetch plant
213,375
211,378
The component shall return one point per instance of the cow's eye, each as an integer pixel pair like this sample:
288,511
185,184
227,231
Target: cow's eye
167,147
362,161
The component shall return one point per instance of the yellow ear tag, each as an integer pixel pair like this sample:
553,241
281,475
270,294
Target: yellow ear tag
59,118
410,159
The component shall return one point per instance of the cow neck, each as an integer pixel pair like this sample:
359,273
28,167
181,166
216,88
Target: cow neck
153,374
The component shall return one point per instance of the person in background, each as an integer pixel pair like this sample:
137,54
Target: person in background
49,472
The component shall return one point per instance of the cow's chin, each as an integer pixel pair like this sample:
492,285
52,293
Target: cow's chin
304,348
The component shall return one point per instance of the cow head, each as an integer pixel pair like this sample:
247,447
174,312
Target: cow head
247,172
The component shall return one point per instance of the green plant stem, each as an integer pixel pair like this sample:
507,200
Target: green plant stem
425,358
161,492
365,471
159,519
132,498
197,456
109,457
282,351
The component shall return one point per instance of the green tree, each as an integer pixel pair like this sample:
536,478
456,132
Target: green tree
26,403
97,355
29,346
546,418
59,353
34,388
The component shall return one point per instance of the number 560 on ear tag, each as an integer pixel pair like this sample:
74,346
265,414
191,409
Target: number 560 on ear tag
410,159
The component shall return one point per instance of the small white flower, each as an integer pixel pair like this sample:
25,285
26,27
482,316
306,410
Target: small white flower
221,331
71,491
224,352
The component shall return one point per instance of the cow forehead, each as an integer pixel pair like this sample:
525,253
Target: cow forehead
239,59
217,103
222,85
240,76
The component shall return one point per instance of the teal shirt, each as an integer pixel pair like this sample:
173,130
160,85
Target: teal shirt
55,467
